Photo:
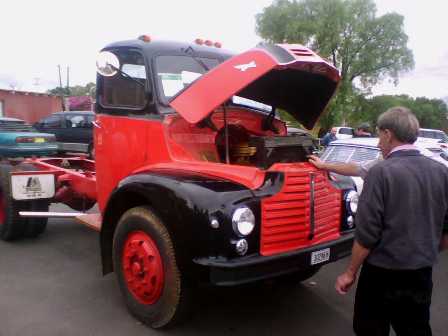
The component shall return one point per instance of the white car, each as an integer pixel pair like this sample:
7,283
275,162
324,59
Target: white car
344,132
362,150
432,135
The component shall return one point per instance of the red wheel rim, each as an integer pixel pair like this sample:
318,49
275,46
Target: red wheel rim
2,209
142,267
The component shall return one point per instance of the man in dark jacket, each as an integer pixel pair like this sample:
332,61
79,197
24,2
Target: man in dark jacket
401,224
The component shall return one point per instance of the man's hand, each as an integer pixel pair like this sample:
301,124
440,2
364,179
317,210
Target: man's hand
316,161
344,282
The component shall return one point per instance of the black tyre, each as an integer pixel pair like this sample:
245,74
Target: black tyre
12,226
36,226
81,204
145,264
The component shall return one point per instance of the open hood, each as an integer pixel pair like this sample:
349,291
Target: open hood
289,77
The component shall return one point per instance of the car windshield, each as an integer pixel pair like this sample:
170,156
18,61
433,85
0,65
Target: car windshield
15,126
346,153
346,130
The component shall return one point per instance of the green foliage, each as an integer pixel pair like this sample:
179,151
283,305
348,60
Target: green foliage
74,90
431,113
366,48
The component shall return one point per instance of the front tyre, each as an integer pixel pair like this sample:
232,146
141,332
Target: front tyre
147,272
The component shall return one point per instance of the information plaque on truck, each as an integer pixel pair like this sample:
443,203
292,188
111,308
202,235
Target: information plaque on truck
25,187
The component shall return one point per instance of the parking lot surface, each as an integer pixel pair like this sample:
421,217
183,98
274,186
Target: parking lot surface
53,286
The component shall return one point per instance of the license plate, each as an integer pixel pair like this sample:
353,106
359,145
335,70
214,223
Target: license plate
321,256
39,140
25,187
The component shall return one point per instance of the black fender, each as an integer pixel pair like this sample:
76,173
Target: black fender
186,203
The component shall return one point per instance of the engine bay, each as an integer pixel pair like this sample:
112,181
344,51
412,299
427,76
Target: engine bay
241,140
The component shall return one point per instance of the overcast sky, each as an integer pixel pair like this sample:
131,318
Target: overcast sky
38,35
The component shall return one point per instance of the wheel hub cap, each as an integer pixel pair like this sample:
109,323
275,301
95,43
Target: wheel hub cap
143,267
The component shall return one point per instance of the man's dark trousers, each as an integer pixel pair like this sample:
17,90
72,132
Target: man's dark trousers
397,298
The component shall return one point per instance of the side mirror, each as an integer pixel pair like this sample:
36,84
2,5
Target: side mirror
107,64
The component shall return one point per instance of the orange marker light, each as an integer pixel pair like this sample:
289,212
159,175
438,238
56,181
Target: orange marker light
208,43
199,41
144,38
218,44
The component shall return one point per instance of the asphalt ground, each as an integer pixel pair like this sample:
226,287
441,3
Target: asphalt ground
53,285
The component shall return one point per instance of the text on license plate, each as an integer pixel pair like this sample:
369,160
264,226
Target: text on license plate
321,256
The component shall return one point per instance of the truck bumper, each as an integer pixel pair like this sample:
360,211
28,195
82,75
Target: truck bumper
256,267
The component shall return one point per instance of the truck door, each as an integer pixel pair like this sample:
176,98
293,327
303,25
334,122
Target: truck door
120,128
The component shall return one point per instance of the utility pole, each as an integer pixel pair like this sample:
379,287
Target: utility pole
68,80
60,87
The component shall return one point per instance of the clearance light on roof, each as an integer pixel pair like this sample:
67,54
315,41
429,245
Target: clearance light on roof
208,43
145,38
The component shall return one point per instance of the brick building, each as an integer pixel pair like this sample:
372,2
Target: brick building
29,106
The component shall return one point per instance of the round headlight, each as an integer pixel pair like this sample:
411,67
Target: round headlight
243,221
351,200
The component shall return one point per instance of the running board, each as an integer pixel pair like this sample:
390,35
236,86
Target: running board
41,214
93,220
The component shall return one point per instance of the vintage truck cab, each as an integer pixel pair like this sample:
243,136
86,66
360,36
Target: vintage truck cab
197,179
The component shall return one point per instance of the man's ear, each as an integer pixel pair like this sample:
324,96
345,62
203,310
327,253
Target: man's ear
389,135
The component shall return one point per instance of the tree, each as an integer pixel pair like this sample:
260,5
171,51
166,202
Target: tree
77,90
431,113
366,48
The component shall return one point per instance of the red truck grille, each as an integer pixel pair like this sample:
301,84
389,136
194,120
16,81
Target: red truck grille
305,212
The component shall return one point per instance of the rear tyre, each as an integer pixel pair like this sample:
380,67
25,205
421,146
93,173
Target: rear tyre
145,264
12,226
36,226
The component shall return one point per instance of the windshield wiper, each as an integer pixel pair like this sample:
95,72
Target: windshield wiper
125,75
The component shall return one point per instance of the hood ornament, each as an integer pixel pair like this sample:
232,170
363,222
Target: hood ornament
244,67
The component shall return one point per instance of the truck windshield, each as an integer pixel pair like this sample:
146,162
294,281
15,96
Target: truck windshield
175,73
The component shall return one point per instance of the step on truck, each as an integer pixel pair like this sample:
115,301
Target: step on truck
196,179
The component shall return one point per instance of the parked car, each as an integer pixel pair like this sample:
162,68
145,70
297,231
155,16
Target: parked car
361,150
432,135
73,130
19,139
344,132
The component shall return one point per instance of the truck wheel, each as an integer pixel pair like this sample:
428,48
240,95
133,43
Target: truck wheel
36,226
147,272
12,226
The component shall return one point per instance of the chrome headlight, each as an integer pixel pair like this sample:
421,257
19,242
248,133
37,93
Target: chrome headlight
243,221
351,201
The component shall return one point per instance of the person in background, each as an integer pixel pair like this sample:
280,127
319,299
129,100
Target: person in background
329,137
401,224
363,130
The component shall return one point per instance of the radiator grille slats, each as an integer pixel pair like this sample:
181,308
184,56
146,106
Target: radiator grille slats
286,216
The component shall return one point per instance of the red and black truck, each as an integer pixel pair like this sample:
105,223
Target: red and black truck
196,179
